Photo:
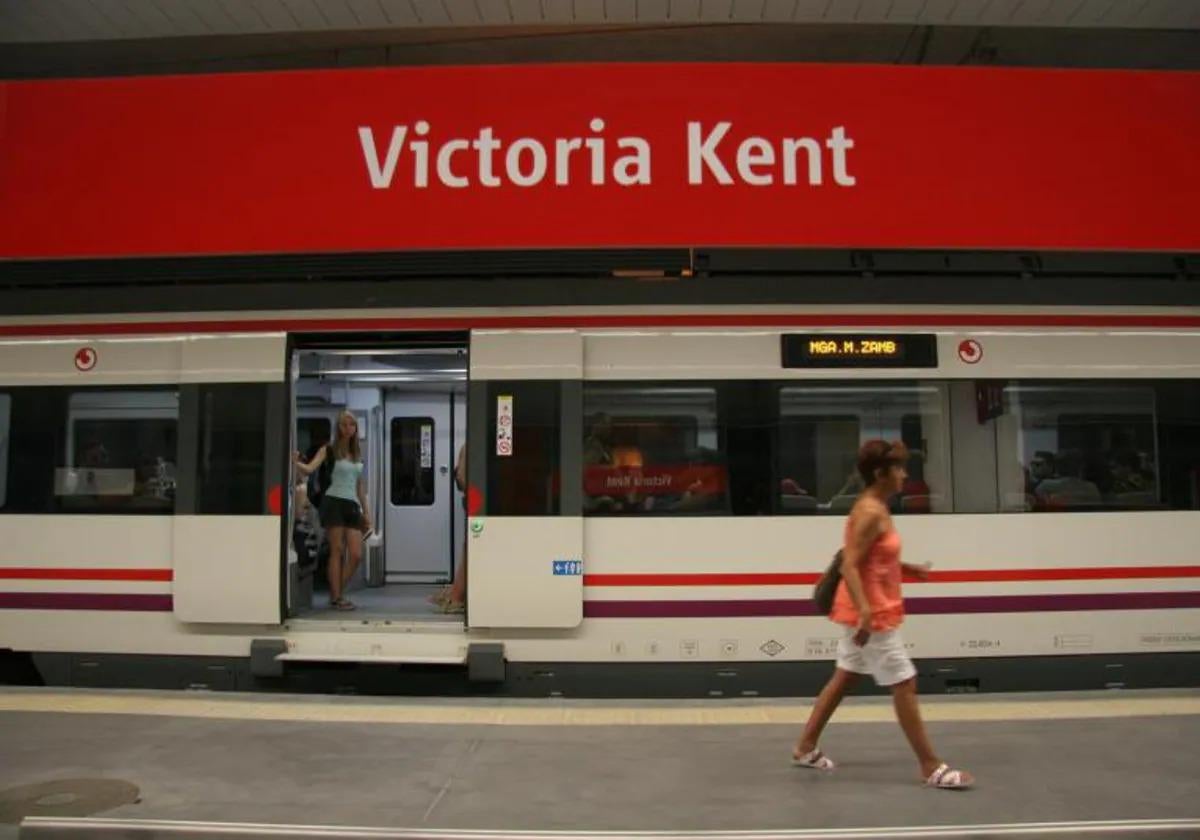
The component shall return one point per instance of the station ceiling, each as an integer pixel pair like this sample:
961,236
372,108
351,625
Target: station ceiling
40,38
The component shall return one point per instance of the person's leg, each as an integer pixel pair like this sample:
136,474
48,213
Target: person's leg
827,703
336,534
458,588
908,712
353,557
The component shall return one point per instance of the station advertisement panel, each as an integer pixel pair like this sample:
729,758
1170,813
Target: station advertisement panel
598,156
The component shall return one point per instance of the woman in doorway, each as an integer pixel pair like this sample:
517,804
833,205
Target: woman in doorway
452,599
343,506
870,608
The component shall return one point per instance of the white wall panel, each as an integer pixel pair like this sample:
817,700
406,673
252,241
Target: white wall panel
86,542
506,354
247,358
512,581
227,569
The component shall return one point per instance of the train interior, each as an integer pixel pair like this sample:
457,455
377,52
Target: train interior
410,408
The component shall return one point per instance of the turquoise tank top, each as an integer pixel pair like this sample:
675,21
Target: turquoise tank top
344,482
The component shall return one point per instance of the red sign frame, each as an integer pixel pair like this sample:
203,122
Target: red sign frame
961,158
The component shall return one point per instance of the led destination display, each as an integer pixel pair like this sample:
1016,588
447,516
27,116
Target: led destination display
859,350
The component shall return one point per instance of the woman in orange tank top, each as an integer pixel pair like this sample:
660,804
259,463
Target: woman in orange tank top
870,607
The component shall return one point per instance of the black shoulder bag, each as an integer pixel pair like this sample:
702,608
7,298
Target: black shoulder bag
826,588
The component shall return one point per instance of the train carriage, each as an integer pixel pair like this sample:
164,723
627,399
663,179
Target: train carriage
651,494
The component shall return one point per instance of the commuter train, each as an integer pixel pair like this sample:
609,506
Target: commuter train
651,495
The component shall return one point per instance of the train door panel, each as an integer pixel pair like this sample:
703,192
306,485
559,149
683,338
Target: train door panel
525,545
458,510
419,487
226,535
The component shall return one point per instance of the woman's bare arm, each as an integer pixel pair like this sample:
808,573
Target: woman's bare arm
311,466
361,487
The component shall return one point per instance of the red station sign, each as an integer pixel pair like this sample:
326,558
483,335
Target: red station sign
585,155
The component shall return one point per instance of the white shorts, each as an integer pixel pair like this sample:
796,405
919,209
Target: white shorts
883,657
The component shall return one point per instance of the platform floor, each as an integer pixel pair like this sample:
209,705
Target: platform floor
605,766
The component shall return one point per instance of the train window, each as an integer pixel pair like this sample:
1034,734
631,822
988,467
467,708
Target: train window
821,427
413,458
231,456
653,449
1087,446
119,453
524,448
5,414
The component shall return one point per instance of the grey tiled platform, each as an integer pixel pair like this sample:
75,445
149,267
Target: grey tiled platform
609,777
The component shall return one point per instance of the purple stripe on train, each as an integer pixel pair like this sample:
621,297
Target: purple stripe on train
913,606
113,601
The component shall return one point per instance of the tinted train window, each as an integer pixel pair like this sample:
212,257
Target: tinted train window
523,448
1088,446
120,452
231,456
5,413
821,427
653,449
412,461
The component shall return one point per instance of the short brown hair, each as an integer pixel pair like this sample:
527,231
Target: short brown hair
879,455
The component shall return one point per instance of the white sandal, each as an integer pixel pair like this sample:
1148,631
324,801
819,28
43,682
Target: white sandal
947,779
815,760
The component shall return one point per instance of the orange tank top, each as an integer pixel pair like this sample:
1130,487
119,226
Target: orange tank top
881,574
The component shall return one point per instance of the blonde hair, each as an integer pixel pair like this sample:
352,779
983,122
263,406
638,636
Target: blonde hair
343,449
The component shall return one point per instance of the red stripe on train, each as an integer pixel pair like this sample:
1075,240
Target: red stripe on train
31,573
464,322
965,576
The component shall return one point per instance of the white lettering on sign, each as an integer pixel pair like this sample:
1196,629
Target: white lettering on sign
504,425
526,161
490,161
755,159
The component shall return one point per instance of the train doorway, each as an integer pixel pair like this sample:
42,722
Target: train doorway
408,401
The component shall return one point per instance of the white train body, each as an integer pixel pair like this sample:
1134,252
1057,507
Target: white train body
655,582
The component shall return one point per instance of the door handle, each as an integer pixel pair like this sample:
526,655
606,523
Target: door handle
443,469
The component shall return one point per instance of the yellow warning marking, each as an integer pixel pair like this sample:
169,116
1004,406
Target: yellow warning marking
571,713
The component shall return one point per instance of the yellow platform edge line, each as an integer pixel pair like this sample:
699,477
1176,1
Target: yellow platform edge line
565,715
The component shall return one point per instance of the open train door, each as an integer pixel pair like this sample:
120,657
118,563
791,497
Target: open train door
525,524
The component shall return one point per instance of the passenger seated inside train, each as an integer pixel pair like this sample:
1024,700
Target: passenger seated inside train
915,497
1067,488
643,467
1071,480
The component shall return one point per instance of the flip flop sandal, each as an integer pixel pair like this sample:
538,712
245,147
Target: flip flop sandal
344,604
815,760
454,607
945,778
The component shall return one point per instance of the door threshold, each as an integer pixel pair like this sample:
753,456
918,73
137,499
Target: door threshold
374,622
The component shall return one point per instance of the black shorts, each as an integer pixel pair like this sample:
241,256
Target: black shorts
336,512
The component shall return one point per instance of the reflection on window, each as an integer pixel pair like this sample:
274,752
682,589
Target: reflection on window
652,449
1079,447
412,461
821,428
5,415
120,452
